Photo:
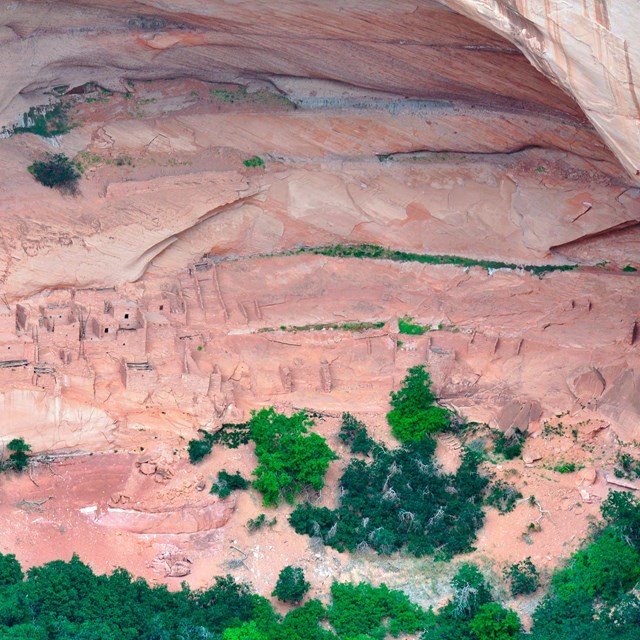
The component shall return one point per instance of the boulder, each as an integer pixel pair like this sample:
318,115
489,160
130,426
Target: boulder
587,385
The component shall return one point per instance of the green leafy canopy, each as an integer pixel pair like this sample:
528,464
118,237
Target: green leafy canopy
290,458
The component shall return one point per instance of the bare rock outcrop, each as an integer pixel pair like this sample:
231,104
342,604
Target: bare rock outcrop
192,517
590,49
518,414
587,385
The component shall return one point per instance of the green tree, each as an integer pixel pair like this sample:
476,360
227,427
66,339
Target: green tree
470,592
291,585
414,413
19,459
523,577
290,458
622,511
364,610
605,569
353,432
248,631
10,570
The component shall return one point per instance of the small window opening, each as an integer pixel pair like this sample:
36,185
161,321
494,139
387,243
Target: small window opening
106,329
161,307
126,316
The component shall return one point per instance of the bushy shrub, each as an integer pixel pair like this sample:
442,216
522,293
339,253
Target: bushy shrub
290,458
523,577
407,326
510,446
401,499
56,170
228,482
626,466
254,161
200,448
255,524
414,414
47,122
353,432
503,496
565,467
291,585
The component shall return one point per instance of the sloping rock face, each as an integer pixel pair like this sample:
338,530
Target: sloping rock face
413,48
408,48
590,49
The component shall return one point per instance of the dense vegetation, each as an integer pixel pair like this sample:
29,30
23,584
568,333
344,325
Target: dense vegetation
56,171
591,598
401,499
363,611
66,600
414,413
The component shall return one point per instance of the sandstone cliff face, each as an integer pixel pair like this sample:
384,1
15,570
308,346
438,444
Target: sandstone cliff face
591,49
407,48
